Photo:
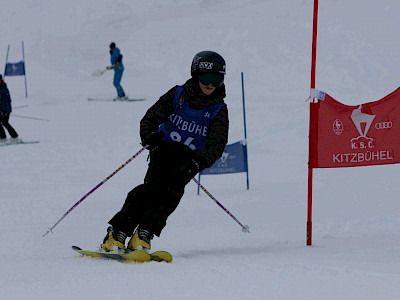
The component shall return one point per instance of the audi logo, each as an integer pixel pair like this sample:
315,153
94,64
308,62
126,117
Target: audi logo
384,125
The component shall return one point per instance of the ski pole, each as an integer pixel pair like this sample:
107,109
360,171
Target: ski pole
245,228
21,106
32,118
95,188
98,73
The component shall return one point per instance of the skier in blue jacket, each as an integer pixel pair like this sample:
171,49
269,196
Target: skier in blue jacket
117,65
5,110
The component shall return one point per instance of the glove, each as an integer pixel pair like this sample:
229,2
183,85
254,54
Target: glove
153,139
110,67
192,166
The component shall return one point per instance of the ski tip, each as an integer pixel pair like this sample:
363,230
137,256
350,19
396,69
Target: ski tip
161,256
76,248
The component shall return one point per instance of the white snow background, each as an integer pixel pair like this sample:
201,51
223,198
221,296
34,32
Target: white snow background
356,213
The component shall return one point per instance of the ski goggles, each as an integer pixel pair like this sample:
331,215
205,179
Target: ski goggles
214,78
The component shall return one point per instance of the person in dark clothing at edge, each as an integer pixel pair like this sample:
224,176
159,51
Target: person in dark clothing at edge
5,111
186,131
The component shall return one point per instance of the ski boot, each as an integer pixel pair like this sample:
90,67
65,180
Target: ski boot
15,140
122,98
141,240
114,241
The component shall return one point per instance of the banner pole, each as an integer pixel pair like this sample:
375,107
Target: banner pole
245,133
310,169
244,109
314,44
23,57
5,67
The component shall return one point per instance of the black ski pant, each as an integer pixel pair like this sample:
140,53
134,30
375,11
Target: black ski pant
4,117
150,204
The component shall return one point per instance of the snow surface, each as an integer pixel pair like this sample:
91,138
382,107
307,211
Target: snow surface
356,213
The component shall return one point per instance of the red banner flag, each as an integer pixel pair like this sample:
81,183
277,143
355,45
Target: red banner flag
354,136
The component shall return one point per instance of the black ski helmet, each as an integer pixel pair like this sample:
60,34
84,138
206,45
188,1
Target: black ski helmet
207,62
112,45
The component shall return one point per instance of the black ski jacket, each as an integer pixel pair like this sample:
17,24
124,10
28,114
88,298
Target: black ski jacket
5,98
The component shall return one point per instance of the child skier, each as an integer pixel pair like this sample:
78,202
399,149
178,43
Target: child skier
5,111
186,131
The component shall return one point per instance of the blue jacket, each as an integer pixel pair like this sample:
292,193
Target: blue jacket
5,98
115,53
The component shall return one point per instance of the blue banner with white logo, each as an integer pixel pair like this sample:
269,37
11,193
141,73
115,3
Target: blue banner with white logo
15,69
233,160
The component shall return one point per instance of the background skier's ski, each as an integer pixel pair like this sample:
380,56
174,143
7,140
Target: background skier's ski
18,143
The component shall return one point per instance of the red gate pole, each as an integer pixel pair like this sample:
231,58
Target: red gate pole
310,169
314,44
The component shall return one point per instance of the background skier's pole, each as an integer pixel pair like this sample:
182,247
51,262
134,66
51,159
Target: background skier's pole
95,188
32,118
21,106
245,228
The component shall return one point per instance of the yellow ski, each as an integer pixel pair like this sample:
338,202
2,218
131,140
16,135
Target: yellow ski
137,256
